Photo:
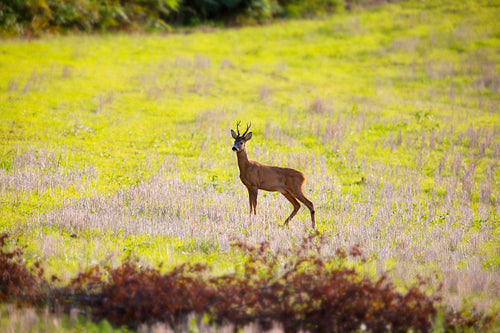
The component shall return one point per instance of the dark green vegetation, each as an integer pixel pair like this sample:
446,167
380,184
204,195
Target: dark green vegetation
115,146
34,17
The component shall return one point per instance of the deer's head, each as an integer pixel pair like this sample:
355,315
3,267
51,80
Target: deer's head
240,139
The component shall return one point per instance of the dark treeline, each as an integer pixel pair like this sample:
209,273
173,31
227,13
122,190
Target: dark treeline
34,17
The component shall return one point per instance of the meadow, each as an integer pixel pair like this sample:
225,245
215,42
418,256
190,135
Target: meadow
119,145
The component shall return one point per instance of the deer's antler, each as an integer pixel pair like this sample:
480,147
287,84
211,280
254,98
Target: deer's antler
248,127
238,127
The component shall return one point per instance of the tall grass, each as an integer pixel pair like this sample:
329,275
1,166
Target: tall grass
410,220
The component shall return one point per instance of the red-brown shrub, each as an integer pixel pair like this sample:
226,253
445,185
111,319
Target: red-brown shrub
298,289
17,282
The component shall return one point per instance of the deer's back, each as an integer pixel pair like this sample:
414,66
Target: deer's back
273,178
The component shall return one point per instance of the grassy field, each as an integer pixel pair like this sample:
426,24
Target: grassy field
118,145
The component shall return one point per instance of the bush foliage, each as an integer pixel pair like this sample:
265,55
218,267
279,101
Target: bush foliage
17,282
299,289
33,17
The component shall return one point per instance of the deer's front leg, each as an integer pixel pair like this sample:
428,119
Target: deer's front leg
255,191
252,197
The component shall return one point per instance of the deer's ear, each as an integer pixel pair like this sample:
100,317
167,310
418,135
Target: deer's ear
233,133
248,136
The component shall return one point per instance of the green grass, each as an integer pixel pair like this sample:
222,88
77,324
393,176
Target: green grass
392,113
13,319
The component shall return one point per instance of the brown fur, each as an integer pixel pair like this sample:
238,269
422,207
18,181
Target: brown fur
256,176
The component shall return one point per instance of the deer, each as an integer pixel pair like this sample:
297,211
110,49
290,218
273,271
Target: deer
256,176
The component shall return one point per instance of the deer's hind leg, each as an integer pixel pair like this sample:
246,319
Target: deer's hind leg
296,206
309,205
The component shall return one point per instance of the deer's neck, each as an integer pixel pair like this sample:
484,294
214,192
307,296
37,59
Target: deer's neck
243,162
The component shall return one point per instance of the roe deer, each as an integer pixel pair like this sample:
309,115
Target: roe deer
255,176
